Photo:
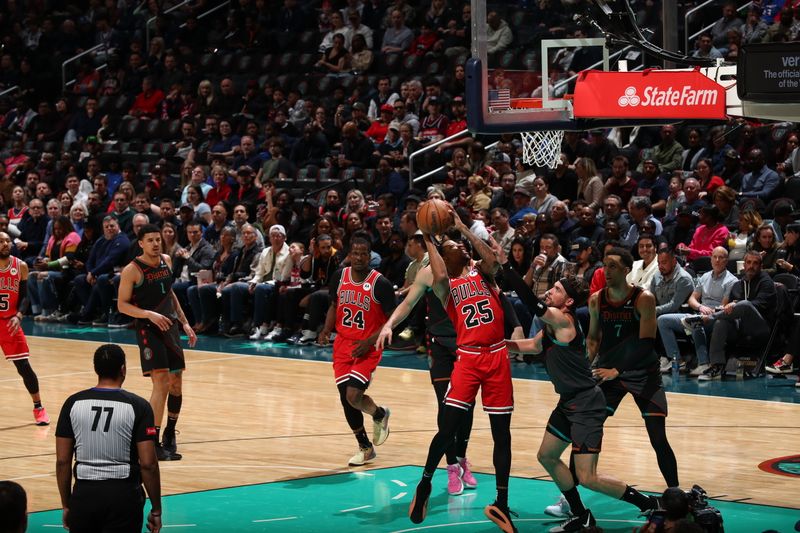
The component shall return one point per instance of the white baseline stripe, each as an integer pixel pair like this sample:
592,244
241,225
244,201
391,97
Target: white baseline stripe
399,496
355,509
275,519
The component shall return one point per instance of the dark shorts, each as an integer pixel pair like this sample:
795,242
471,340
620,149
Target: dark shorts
107,506
644,386
160,350
442,353
579,420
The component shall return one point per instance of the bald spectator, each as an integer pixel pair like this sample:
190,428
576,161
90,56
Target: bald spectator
761,181
356,151
498,34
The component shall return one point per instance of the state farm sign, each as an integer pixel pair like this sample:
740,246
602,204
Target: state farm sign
654,94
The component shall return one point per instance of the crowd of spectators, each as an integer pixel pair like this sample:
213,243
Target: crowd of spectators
218,128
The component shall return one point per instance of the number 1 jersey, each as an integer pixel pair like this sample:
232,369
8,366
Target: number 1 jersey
475,309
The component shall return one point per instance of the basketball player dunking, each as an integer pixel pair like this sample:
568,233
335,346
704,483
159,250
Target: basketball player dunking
441,341
145,293
473,304
361,299
13,295
581,411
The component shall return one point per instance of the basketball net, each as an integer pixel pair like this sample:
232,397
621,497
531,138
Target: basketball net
542,148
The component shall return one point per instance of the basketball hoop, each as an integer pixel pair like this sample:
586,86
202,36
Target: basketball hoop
542,148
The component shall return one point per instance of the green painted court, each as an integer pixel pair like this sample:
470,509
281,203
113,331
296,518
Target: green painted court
378,500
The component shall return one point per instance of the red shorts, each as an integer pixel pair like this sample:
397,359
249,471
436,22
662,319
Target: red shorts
487,368
358,371
15,347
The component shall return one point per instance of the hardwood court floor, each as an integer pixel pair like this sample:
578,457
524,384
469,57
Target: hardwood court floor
251,419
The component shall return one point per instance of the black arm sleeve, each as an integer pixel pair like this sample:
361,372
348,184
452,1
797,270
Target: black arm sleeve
22,301
511,320
523,291
643,350
384,292
333,285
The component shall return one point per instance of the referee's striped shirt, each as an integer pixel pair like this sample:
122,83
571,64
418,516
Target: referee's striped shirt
106,424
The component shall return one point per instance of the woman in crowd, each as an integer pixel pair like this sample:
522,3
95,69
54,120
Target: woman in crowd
694,152
77,217
766,244
65,199
169,240
194,198
221,190
19,205
709,182
740,241
51,270
480,194
542,199
590,184
725,200
202,297
709,234
645,268
360,56
206,100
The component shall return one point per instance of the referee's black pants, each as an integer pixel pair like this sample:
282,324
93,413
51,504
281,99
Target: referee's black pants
106,506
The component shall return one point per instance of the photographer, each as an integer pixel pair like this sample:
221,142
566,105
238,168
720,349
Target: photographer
683,512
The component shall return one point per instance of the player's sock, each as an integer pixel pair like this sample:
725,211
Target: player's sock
380,412
37,405
574,500
636,498
502,497
171,422
158,435
361,437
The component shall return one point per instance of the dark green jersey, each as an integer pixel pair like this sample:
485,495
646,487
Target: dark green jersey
154,291
567,363
619,323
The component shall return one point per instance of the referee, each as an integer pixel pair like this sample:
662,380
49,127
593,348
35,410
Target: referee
111,433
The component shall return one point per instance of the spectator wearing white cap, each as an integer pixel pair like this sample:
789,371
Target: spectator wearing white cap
273,266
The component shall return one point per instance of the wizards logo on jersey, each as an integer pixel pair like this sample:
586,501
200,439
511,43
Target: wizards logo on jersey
783,466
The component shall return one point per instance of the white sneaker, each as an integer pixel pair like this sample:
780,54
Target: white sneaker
560,509
259,332
273,334
666,365
380,429
308,336
699,370
364,456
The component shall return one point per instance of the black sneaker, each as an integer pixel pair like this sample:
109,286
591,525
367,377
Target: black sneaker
294,339
101,321
120,321
576,523
501,516
85,321
419,504
169,443
236,331
713,372
165,455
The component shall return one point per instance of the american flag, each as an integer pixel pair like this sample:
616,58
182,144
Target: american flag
499,99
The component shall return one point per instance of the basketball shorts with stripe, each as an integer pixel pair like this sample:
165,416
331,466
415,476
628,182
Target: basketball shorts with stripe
15,347
354,371
491,373
579,420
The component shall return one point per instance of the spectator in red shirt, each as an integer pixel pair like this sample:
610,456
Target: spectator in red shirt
424,42
378,129
221,190
147,102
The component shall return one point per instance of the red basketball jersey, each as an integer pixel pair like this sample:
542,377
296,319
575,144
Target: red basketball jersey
9,288
476,311
358,312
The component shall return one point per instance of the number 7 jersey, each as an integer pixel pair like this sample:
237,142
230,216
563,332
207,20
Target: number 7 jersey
475,309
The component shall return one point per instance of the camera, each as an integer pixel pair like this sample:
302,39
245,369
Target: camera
693,504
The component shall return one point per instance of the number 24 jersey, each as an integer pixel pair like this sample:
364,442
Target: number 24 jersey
362,308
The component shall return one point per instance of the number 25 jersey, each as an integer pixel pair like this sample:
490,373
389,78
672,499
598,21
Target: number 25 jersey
475,309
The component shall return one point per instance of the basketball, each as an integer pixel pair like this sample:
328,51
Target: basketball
433,217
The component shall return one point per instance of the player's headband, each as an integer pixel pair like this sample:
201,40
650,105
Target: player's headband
569,288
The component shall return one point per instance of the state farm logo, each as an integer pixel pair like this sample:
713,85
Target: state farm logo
630,98
669,97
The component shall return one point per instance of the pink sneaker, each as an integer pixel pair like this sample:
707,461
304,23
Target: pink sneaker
40,415
454,484
469,480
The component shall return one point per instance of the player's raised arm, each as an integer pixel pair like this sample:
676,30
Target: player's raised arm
441,281
129,277
488,263
416,291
